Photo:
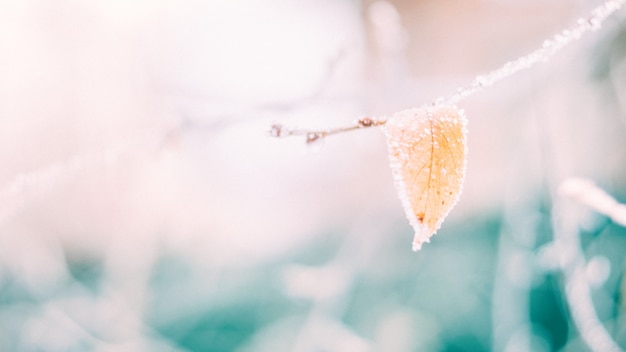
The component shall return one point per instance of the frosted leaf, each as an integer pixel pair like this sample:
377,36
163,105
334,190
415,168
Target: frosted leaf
427,150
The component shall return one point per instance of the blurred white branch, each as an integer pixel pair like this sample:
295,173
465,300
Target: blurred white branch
587,193
27,187
577,288
572,261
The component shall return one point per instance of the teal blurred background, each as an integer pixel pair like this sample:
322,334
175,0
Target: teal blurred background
144,208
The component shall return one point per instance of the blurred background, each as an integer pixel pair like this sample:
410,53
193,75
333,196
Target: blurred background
143,206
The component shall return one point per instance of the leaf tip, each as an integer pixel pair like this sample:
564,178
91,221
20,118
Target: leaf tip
422,235
417,244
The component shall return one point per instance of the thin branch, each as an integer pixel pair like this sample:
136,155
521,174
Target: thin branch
279,131
550,47
593,22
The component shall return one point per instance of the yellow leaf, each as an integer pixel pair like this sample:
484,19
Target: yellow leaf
427,148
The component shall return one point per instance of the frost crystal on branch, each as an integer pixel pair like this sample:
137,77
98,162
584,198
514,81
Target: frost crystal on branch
550,47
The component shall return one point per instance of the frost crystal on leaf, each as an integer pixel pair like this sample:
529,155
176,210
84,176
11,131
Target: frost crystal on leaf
427,150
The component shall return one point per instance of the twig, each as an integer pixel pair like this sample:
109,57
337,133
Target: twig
550,47
278,130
